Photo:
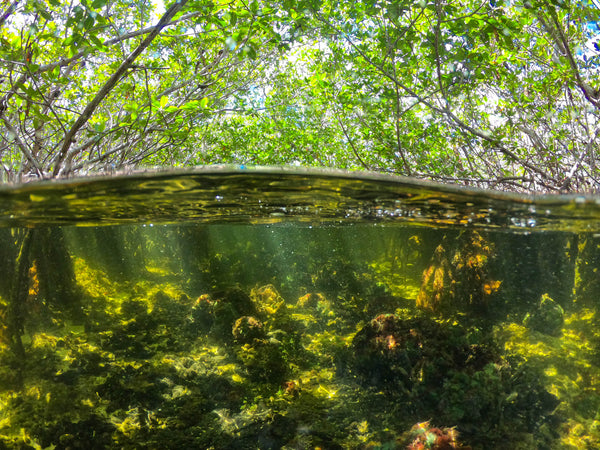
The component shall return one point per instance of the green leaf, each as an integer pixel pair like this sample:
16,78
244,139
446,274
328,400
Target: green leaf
99,127
89,22
254,7
163,101
194,104
249,51
97,43
33,67
28,91
45,14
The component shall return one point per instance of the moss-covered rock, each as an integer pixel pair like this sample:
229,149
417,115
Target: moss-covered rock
547,318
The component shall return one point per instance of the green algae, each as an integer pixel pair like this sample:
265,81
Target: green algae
319,352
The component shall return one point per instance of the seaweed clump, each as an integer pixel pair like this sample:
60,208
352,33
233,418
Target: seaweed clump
458,276
433,369
423,436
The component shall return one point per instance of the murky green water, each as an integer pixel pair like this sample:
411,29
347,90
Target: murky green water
236,309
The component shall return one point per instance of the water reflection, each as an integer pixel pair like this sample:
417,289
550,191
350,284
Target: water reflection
217,195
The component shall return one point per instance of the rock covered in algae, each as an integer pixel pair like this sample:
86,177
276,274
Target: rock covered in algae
391,350
216,313
263,361
266,299
433,369
246,329
425,436
548,318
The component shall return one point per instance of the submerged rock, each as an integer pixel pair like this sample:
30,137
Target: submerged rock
433,369
246,329
263,362
216,313
266,299
548,318
398,354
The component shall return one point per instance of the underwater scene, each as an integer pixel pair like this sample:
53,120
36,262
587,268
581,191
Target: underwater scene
269,309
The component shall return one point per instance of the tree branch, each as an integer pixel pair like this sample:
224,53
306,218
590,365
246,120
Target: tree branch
7,12
557,34
67,61
444,110
112,81
22,146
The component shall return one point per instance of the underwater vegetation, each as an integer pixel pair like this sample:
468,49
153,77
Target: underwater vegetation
547,318
451,373
457,276
424,436
335,353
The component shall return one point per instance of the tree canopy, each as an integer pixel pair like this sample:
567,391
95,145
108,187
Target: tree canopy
501,94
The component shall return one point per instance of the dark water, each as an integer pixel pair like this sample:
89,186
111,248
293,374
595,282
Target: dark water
261,309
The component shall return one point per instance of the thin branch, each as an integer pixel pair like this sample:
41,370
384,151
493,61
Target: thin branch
7,12
398,109
437,34
22,146
147,30
352,146
584,153
557,34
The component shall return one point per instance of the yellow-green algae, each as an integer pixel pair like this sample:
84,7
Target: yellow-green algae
569,374
142,371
